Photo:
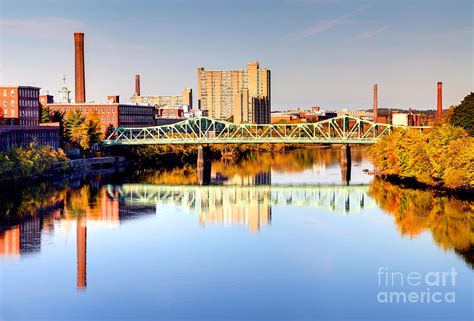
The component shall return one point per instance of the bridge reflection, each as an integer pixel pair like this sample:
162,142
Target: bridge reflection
243,205
90,207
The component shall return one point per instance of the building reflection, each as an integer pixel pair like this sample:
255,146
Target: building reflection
90,205
81,241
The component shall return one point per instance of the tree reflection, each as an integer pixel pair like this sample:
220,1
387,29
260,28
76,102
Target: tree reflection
449,220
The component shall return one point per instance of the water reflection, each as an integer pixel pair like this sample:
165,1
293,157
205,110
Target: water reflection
243,194
449,220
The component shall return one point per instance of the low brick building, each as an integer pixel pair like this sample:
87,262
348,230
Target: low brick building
12,136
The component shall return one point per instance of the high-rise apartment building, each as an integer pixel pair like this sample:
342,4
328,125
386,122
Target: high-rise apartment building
244,94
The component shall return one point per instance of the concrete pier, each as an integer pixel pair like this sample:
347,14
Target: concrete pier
346,164
204,165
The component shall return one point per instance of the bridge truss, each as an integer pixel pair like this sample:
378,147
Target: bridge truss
343,129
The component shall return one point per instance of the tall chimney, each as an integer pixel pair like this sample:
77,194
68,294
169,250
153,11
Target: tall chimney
79,64
137,85
439,117
375,102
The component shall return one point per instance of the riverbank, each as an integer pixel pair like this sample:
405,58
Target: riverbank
442,160
22,166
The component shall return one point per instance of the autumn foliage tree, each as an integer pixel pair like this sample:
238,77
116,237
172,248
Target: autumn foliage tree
83,132
442,157
90,131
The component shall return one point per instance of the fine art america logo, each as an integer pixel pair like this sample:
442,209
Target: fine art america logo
414,287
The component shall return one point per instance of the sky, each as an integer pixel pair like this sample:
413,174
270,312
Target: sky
320,52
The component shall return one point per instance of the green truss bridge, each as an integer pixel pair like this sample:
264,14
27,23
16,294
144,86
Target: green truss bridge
343,129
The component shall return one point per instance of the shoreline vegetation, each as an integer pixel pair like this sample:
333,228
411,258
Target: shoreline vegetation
30,163
441,158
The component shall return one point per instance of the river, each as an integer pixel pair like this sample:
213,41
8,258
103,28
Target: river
284,236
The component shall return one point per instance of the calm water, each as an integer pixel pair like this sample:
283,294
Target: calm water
276,237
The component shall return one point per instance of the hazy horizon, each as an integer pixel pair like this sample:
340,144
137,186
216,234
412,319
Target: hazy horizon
325,53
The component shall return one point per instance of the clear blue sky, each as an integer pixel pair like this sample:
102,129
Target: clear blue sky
326,53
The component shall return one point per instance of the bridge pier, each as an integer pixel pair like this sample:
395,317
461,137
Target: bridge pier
204,165
346,164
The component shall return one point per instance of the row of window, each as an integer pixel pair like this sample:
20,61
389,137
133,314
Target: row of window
136,110
28,103
135,119
31,93
5,112
29,113
29,122
87,109
5,103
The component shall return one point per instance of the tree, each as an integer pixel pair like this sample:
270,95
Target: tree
58,117
463,114
45,115
90,131
74,121
109,131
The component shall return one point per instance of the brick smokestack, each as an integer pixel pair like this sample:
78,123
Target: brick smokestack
137,85
439,117
375,102
79,64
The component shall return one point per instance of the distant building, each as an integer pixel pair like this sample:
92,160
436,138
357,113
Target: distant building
20,105
171,112
368,115
300,115
406,119
244,94
165,101
44,100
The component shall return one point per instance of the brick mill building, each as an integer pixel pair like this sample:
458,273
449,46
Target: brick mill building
112,112
20,105
19,119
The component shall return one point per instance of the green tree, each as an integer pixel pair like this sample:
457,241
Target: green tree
90,131
58,117
45,115
463,114
74,120
109,131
